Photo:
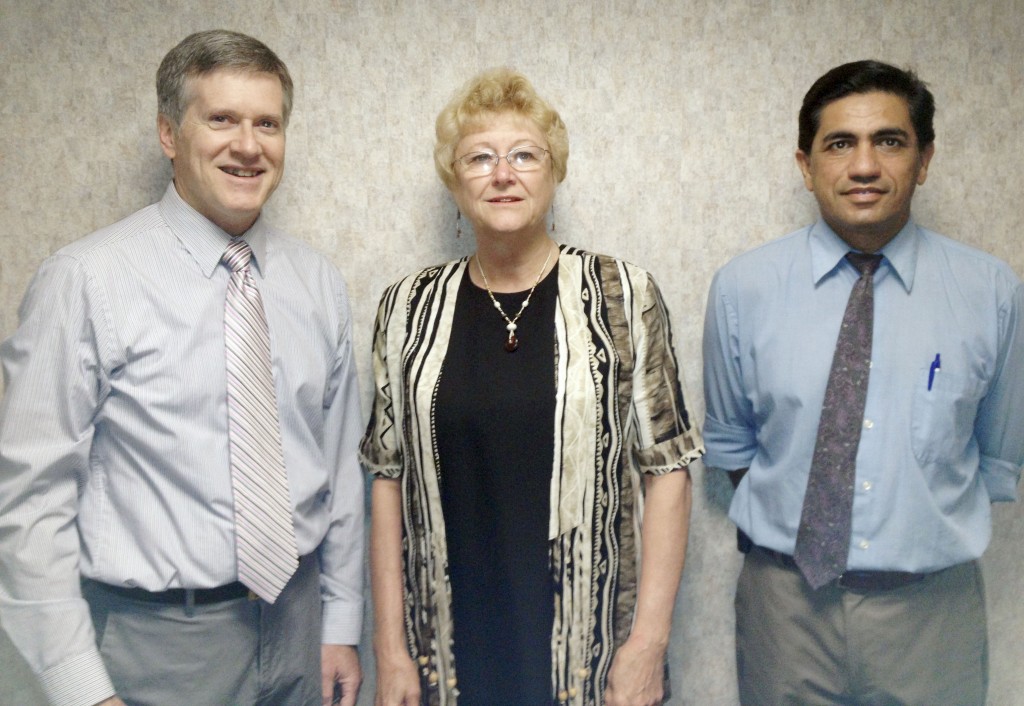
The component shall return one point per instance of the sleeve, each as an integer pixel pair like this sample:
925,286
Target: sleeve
670,440
729,429
380,450
998,423
55,386
341,551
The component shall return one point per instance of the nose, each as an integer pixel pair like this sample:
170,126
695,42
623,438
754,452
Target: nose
864,165
246,142
503,172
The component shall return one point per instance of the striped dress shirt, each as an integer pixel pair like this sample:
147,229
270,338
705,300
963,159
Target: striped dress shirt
113,430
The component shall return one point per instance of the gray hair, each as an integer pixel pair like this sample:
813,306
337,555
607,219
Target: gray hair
204,52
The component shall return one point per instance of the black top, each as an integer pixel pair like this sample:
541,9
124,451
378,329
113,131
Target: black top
495,421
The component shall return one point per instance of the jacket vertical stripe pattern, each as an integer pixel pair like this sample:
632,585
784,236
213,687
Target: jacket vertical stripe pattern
619,414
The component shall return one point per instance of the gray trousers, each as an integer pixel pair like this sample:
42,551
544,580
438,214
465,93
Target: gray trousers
234,653
924,644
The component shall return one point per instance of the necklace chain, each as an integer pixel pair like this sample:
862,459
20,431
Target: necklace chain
510,324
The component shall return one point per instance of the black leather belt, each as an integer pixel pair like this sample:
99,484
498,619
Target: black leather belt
857,581
180,596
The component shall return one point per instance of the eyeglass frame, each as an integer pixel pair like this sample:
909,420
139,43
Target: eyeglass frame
495,157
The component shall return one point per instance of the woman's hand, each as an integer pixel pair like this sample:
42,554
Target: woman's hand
636,677
398,681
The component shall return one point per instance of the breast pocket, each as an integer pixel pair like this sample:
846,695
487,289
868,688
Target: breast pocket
942,420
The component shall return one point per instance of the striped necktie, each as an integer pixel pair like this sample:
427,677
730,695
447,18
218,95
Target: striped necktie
264,535
823,537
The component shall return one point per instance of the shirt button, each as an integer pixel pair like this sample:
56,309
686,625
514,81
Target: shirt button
868,424
864,544
866,485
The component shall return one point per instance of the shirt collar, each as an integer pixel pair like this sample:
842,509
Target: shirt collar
828,251
203,239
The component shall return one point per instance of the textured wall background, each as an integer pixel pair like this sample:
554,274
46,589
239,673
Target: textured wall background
682,119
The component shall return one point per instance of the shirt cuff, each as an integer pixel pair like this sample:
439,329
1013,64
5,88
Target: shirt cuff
342,623
81,680
1000,479
727,447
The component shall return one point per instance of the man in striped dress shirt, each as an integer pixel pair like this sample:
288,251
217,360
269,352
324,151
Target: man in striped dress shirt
121,532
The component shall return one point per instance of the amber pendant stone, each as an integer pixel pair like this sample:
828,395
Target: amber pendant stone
512,343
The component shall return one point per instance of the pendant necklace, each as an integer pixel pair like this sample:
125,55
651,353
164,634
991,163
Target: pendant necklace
513,342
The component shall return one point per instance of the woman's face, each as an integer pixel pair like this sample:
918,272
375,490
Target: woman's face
506,201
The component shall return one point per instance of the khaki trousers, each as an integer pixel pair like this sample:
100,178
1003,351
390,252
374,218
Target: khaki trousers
924,644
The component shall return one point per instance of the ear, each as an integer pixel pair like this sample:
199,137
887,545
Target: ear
804,162
165,131
926,157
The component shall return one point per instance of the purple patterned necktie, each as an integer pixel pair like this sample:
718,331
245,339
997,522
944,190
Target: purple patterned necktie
823,539
264,534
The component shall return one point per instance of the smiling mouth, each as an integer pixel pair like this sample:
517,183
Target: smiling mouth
238,172
505,199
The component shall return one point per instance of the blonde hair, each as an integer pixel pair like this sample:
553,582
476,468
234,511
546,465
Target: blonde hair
490,93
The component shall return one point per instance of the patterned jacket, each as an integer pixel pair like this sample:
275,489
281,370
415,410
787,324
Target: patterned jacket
621,414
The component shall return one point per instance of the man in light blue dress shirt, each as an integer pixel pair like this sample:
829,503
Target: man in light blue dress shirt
941,435
118,577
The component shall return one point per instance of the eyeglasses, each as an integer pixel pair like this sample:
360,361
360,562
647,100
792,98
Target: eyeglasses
522,159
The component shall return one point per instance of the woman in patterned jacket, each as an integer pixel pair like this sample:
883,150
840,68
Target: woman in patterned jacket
528,437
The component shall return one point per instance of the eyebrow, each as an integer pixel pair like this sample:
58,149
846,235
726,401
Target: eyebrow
883,132
892,132
212,109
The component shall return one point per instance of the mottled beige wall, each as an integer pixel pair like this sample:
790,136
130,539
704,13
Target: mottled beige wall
682,119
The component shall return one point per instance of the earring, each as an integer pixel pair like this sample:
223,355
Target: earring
553,226
458,223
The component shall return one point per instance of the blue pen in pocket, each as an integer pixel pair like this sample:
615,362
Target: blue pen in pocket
936,367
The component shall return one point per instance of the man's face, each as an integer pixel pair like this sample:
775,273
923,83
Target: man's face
228,152
863,167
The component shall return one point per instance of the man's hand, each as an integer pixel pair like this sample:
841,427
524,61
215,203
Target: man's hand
339,665
636,675
112,701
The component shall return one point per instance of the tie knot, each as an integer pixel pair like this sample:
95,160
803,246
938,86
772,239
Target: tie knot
237,255
865,263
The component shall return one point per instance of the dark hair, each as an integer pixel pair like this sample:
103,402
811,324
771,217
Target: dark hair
204,52
865,77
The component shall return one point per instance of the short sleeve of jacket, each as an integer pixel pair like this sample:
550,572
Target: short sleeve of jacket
379,450
667,438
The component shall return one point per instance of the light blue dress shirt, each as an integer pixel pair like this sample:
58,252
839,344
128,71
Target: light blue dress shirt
113,430
936,447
